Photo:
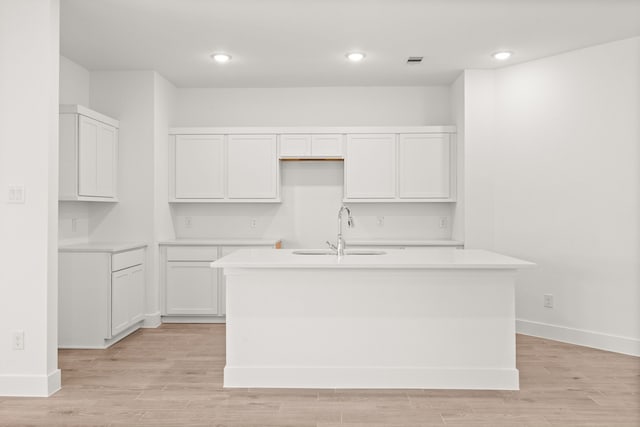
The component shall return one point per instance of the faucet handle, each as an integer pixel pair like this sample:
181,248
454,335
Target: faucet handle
332,246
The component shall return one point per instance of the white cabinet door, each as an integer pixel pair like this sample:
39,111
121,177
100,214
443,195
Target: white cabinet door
137,300
192,288
120,295
424,166
295,145
127,298
329,145
96,158
309,146
252,167
199,167
106,161
370,166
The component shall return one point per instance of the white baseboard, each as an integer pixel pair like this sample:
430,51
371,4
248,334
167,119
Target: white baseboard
582,337
378,377
152,320
194,319
30,385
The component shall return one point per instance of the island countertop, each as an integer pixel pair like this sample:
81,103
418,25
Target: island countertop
391,259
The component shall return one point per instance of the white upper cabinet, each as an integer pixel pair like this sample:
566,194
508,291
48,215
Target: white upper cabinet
311,146
88,155
370,166
199,167
408,167
295,146
405,164
252,167
424,166
326,146
223,168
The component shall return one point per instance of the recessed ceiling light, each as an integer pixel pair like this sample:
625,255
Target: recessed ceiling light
355,56
501,56
221,57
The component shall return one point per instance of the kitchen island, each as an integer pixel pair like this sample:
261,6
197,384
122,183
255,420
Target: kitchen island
402,319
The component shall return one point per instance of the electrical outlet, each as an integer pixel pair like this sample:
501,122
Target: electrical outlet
187,222
18,340
548,301
253,222
443,222
380,221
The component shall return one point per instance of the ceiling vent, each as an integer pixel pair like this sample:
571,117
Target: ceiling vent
414,59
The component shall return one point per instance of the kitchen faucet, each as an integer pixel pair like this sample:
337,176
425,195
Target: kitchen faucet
339,246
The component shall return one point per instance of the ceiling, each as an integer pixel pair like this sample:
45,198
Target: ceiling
292,43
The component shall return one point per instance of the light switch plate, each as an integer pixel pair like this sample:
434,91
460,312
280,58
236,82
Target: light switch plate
16,194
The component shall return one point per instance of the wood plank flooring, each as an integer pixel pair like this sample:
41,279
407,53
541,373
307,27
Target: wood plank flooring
172,376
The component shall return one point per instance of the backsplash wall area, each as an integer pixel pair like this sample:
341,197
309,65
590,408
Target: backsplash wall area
311,195
73,222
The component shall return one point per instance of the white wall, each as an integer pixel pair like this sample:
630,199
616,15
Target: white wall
313,106
569,193
564,189
29,54
128,96
75,83
457,94
163,105
73,217
311,196
312,192
479,156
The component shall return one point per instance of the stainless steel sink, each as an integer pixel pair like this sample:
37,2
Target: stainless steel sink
328,252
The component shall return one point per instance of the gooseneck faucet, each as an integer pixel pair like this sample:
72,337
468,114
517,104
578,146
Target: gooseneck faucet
340,245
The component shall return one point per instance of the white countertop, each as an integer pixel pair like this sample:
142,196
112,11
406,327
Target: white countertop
393,258
219,242
110,247
406,242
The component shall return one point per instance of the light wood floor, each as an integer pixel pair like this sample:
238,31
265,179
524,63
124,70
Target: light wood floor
172,376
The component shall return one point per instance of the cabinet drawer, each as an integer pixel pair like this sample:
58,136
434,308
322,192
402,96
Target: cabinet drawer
192,253
127,259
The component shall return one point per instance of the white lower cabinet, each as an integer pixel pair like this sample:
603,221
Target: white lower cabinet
101,296
193,291
127,298
192,288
